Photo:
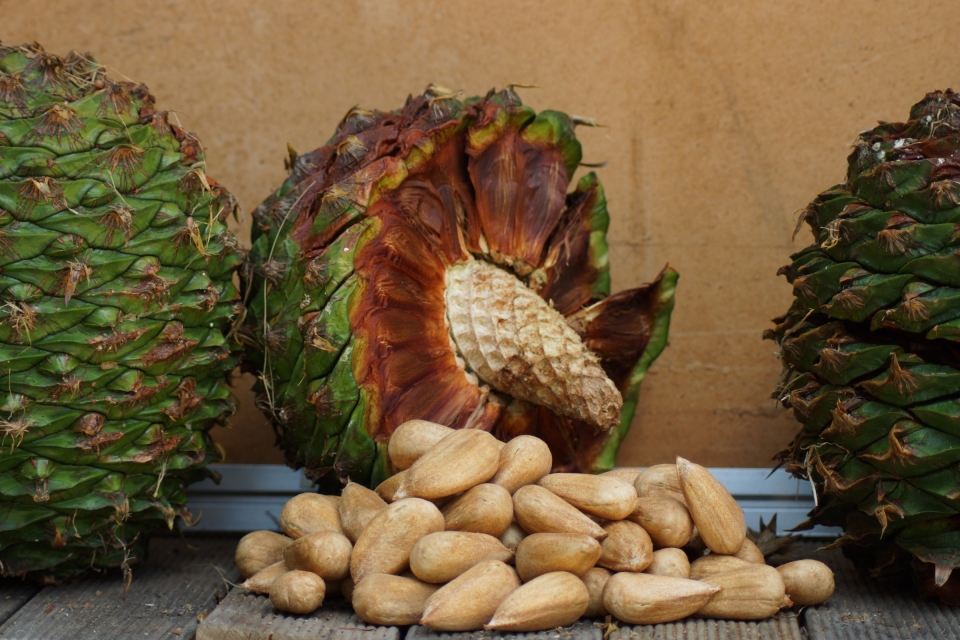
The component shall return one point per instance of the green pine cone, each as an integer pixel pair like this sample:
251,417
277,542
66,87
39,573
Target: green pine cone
871,364
116,299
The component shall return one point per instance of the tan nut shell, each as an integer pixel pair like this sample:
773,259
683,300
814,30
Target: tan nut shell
469,600
641,598
660,480
297,592
807,582
538,510
595,580
258,550
261,581
389,487
512,536
358,506
750,552
551,600
602,496
463,459
627,547
627,474
412,439
714,563
667,521
440,557
391,600
326,554
486,508
541,553
523,461
752,592
669,562
717,515
386,543
310,513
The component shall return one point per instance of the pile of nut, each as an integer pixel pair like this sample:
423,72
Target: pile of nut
473,533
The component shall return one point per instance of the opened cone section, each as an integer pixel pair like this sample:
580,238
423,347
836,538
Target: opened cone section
431,263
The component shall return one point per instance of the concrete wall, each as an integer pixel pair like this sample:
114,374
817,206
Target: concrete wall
723,120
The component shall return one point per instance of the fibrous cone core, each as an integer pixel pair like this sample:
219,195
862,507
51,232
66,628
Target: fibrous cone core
518,344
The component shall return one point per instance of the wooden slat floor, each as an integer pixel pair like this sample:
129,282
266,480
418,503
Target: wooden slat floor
183,591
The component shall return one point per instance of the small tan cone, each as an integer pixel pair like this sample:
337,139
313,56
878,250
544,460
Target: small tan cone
659,481
412,439
551,600
640,598
326,554
386,543
714,563
717,515
523,460
602,496
537,510
358,506
595,580
298,592
440,557
669,562
261,581
627,547
463,459
310,513
667,521
541,553
807,582
751,592
486,508
391,600
468,601
258,550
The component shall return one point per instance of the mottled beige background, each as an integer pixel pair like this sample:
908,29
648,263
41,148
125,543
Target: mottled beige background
723,119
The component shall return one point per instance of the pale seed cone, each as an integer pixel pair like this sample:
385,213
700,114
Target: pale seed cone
258,550
807,582
470,599
462,460
486,508
538,510
440,557
391,600
750,592
386,543
717,515
523,460
358,506
412,439
517,343
541,553
298,592
310,513
640,598
551,600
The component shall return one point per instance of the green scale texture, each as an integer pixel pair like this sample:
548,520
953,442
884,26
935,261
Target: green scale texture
116,297
870,346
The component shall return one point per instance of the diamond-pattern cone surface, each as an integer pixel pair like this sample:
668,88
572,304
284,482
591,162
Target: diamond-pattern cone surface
116,296
429,263
869,347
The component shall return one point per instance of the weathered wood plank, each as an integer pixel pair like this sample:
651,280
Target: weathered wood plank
180,581
861,608
781,627
14,594
248,616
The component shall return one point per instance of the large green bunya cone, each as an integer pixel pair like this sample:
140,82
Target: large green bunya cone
116,297
358,259
870,353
